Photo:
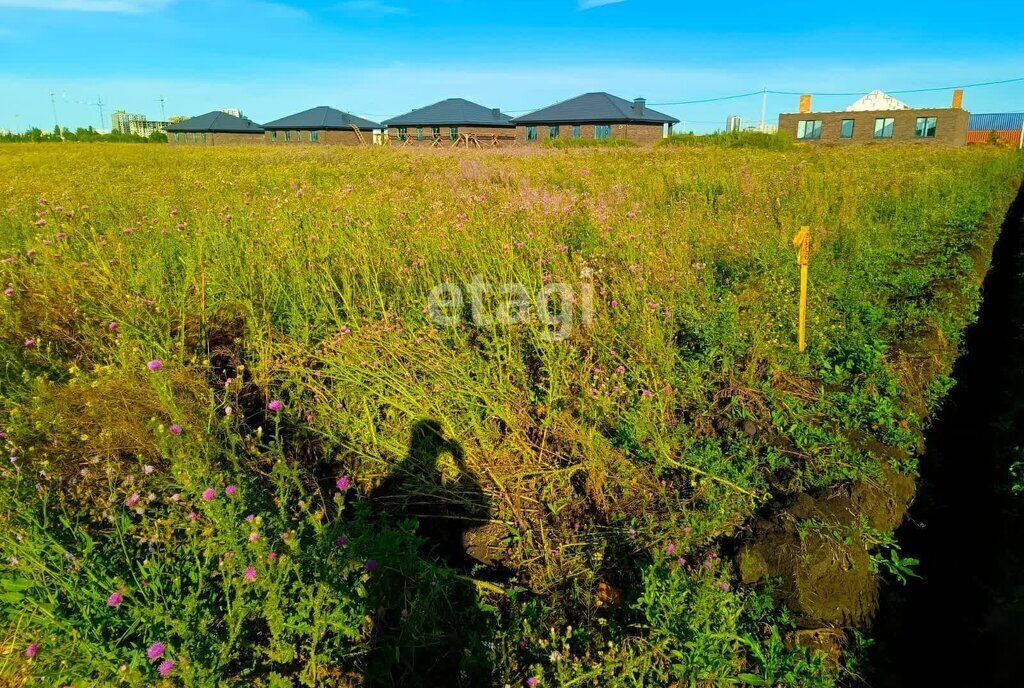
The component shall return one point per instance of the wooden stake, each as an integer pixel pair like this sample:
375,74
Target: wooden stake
802,241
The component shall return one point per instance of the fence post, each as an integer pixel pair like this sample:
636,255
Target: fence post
802,241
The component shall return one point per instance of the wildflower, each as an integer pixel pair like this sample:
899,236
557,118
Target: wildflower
174,211
156,651
285,535
228,410
113,326
254,536
275,405
371,565
687,530
250,573
208,494
29,343
175,430
614,304
532,681
341,540
344,483
132,501
192,516
271,556
166,667
648,393
724,586
671,549
682,561
32,650
231,489
147,469
155,365
115,599
9,291
250,518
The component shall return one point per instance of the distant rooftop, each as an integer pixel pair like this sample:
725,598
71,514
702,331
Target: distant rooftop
596,107
449,113
217,121
322,117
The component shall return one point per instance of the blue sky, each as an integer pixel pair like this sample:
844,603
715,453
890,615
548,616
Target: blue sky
380,58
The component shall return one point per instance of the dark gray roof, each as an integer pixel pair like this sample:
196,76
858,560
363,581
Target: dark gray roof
451,112
218,121
594,107
322,117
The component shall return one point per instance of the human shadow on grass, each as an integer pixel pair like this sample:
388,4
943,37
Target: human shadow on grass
429,626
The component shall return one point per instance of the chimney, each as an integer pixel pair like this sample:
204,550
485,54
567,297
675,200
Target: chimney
958,99
805,103
639,105
496,113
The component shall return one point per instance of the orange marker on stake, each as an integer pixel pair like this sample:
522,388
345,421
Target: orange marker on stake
802,241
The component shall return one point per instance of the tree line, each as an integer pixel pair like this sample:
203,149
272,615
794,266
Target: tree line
89,135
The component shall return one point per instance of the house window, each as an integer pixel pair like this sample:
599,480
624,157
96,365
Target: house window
846,129
531,133
553,131
603,131
314,136
195,137
175,137
204,137
884,127
287,136
925,128
808,129
419,134
575,131
403,133
436,131
273,136
453,133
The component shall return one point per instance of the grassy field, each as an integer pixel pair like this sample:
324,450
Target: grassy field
245,449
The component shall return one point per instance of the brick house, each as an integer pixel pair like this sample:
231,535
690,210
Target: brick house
449,122
215,129
879,118
321,125
595,116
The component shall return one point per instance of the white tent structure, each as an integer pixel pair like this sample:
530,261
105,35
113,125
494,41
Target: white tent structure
877,100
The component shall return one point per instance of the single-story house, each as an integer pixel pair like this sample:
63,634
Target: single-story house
215,129
595,116
324,125
879,118
451,121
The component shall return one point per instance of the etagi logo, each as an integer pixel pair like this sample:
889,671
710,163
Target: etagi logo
483,304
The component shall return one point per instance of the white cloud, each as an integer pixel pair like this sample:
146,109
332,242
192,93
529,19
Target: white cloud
123,6
591,4
372,7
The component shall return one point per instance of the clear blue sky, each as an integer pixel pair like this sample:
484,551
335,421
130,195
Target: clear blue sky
379,58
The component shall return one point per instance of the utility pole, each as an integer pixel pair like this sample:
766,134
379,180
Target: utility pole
99,104
53,103
764,109
163,113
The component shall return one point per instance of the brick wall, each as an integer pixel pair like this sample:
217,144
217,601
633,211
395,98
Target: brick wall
185,138
644,133
330,137
506,135
950,128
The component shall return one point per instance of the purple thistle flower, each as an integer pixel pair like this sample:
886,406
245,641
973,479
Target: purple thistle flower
371,565
344,483
132,501
29,343
192,515
115,599
113,326
156,651
175,430
648,393
250,518
32,650
166,667
275,405
209,494
250,573
532,681
341,540
724,586
254,536
231,489
671,549
155,365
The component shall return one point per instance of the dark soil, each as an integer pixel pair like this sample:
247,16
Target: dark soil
962,622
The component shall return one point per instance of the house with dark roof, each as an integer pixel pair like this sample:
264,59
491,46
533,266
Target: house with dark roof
215,129
595,116
451,122
321,125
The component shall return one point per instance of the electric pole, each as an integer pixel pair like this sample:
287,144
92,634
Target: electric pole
53,103
764,109
99,104
163,113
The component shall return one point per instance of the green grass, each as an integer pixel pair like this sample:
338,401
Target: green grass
303,275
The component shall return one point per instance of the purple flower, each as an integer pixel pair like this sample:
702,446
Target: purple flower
156,651
254,536
32,650
231,489
132,501
724,586
113,326
344,483
271,556
250,518
115,599
532,681
648,393
192,515
29,343
155,365
671,549
175,430
371,564
276,405
208,494
147,469
250,573
341,540
166,667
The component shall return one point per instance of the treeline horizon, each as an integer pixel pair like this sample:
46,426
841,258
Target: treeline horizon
81,135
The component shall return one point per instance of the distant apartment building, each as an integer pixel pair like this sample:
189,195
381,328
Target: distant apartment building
130,123
595,116
879,118
234,112
734,123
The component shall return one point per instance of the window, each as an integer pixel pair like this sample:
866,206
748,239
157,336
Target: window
314,136
436,131
531,133
846,129
453,133
603,131
553,131
403,133
884,127
419,133
808,129
175,137
287,136
204,137
575,131
273,136
925,128
195,137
